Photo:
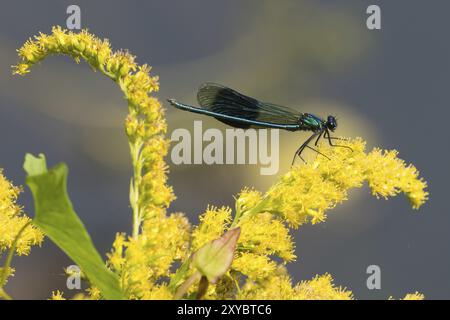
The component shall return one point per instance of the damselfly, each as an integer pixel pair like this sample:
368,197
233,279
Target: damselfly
240,111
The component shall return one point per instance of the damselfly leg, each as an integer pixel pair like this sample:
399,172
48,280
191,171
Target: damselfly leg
330,138
325,134
299,151
321,153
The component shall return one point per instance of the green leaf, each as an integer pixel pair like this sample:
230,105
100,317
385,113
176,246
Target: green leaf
57,219
177,279
35,165
215,257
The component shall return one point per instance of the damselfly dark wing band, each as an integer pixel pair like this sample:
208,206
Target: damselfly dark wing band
220,99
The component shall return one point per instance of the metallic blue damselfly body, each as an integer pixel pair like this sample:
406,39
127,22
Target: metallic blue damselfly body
241,111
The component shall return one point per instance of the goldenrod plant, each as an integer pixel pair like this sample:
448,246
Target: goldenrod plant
17,234
237,253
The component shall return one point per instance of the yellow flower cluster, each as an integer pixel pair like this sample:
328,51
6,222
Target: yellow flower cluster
145,124
279,287
57,295
253,265
261,236
414,296
302,195
12,220
306,192
321,288
92,293
141,263
263,278
212,225
411,296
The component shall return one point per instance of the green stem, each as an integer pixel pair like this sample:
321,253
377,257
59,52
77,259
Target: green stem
256,209
7,264
186,285
238,288
237,216
135,150
4,295
202,287
179,275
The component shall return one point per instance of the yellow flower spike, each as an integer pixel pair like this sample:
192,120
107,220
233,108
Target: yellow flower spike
145,121
264,235
131,128
8,273
389,175
248,199
254,266
303,194
411,296
307,192
94,293
321,288
160,292
316,216
163,241
116,258
277,286
12,220
57,295
414,296
213,224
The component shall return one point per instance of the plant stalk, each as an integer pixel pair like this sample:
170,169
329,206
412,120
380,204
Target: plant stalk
7,264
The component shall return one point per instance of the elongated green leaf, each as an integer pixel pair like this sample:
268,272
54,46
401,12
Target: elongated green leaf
57,219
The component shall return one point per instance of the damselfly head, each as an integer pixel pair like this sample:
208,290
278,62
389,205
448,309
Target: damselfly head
331,123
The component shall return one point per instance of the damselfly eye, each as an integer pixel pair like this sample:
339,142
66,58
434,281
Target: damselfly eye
331,123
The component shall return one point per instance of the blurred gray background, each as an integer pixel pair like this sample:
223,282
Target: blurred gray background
388,86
